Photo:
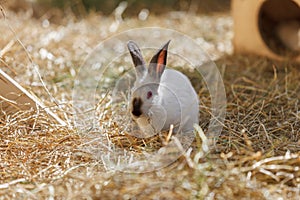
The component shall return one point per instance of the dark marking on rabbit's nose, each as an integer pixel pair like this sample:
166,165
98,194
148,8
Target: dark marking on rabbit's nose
136,105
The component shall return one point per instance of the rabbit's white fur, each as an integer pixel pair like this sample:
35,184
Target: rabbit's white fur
175,102
178,97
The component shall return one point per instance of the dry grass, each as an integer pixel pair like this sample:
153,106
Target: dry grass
258,151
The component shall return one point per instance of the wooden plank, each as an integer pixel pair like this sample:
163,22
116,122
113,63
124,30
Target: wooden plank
14,97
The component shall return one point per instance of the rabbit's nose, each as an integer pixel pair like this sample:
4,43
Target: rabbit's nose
136,105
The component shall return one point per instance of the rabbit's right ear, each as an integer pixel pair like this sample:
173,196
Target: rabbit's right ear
137,58
158,62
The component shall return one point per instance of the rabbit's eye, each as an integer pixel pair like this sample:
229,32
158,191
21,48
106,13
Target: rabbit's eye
149,94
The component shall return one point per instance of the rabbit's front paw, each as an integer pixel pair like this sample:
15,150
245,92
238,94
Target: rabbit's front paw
158,117
145,126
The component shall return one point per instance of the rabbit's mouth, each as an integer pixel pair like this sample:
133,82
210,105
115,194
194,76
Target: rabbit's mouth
141,118
136,113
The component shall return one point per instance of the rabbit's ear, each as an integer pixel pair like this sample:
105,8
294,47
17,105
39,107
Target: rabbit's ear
158,62
137,58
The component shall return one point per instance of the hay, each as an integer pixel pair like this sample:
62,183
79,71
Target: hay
258,151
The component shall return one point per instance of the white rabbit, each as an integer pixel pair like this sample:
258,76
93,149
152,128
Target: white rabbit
161,97
288,33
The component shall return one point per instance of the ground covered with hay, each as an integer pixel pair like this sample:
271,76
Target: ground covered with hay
257,154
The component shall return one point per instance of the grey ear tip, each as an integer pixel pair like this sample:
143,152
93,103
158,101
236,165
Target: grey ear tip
167,44
131,43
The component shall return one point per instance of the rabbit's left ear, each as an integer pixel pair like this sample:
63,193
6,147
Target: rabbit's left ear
137,58
158,62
